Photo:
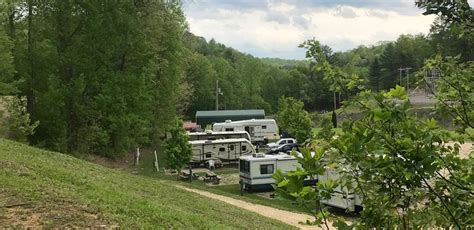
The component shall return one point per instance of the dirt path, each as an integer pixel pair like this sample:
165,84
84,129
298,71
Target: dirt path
287,217
465,148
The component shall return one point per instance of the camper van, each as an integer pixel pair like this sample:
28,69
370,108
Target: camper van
211,135
260,130
257,169
341,198
226,150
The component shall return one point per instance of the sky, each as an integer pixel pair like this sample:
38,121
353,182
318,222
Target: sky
271,28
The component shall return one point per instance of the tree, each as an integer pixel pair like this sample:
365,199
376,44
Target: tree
448,41
291,116
101,77
176,147
401,167
455,12
201,76
18,125
453,89
375,75
396,164
6,65
313,161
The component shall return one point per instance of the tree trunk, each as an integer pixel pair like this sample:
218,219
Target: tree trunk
30,97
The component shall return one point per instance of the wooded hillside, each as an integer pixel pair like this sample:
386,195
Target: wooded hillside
104,77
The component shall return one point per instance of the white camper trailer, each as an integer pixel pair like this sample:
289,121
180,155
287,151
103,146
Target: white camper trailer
212,135
226,150
341,198
257,169
260,130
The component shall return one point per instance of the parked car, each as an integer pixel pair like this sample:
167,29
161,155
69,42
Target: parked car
286,148
281,142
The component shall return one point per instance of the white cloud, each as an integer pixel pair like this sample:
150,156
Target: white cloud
277,29
345,12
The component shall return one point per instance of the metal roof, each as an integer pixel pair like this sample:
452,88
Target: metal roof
219,141
266,157
217,113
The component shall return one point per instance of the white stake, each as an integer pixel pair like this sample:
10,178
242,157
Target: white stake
137,156
156,163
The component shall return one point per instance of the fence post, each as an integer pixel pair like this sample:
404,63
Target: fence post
137,156
156,162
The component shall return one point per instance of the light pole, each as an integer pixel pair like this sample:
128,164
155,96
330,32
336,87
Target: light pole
218,92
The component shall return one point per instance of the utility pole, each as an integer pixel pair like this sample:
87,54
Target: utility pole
407,73
408,78
400,76
218,92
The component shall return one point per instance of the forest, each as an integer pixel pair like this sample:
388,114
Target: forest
104,76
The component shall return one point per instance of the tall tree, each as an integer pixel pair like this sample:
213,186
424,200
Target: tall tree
6,64
292,117
375,75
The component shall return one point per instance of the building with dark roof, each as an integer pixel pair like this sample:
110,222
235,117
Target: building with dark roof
204,118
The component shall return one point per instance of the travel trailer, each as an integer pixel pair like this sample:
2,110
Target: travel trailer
256,170
260,130
341,198
211,135
226,150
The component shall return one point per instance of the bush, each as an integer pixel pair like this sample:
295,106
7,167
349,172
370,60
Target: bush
177,149
18,124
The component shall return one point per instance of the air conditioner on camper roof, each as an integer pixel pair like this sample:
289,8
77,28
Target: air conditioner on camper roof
228,121
258,155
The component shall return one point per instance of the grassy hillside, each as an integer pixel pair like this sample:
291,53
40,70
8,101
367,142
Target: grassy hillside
40,188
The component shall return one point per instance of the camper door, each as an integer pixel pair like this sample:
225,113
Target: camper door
250,130
232,150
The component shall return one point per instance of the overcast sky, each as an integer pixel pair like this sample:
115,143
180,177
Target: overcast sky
270,28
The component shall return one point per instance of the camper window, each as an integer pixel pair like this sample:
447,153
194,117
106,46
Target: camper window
231,147
266,169
244,166
222,149
229,129
244,148
264,127
208,155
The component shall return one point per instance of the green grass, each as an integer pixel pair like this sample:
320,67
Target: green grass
232,190
56,190
316,130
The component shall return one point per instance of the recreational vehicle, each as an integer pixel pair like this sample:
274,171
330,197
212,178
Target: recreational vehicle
226,150
257,169
211,135
341,198
260,130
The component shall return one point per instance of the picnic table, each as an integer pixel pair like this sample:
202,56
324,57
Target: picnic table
185,175
212,177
